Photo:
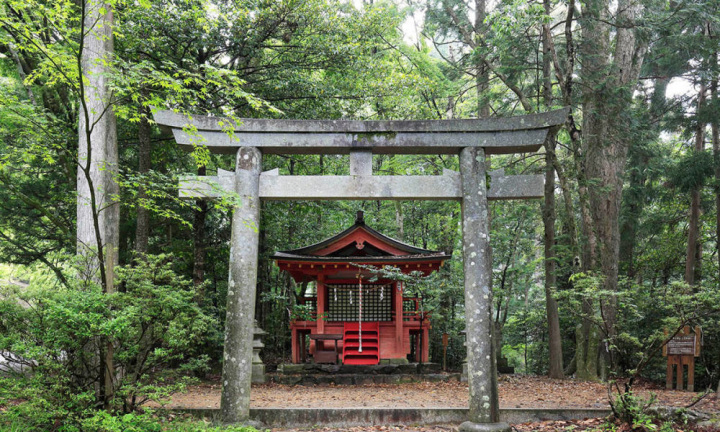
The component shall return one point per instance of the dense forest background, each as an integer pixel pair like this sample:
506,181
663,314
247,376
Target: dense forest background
624,245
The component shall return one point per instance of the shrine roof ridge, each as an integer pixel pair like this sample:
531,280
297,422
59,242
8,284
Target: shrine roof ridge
412,252
435,256
544,120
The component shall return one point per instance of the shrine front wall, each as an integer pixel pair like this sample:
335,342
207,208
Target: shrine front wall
389,349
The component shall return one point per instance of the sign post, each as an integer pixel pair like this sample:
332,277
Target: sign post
681,350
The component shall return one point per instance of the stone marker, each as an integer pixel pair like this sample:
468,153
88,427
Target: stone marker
258,367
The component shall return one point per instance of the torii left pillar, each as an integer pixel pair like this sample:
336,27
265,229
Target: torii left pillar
244,245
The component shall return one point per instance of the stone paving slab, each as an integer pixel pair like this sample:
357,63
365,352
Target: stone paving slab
360,379
349,417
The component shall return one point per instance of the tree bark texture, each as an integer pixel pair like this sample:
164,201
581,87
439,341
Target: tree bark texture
635,196
98,213
142,229
400,220
482,77
715,131
551,306
555,369
98,154
632,205
609,77
691,255
199,242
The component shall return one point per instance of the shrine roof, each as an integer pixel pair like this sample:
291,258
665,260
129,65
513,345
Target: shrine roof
360,243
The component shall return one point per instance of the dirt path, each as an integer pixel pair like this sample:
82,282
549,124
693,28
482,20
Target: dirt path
515,392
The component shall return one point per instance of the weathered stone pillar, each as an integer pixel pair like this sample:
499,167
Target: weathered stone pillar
482,376
238,350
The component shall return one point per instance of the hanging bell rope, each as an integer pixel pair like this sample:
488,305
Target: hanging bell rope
360,313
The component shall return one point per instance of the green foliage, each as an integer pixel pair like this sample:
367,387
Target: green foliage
692,171
153,323
21,418
36,172
103,421
632,411
302,312
327,59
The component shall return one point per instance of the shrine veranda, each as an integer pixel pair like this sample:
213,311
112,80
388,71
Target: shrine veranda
471,139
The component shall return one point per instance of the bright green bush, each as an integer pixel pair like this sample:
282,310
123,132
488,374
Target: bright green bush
153,323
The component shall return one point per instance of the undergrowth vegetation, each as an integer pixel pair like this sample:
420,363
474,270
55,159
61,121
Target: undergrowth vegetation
51,337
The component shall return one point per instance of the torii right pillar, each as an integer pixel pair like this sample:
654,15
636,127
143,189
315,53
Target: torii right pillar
484,414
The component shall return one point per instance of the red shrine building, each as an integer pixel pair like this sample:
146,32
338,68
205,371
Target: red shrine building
359,315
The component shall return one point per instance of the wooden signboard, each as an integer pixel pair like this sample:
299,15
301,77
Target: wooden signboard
681,350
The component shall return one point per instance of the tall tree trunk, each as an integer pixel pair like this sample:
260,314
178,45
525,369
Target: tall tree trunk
549,216
400,220
551,305
98,216
586,248
264,273
606,131
715,128
142,230
199,243
97,213
691,255
21,72
632,205
482,77
635,198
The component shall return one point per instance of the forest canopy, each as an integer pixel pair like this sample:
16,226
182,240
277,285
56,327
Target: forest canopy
623,247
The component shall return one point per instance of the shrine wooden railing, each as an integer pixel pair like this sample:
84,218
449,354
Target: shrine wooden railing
416,316
412,311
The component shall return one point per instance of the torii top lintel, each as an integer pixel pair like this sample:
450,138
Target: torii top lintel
519,134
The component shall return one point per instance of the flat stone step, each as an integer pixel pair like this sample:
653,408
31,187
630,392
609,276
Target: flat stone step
380,369
359,379
351,417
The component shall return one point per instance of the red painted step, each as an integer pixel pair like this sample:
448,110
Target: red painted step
370,354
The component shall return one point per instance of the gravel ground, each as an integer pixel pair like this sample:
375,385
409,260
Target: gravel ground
515,392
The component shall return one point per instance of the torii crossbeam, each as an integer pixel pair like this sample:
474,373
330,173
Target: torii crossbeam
471,139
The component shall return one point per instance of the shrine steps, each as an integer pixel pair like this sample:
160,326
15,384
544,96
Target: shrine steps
361,345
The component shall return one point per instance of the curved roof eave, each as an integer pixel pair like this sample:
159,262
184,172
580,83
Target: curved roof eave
359,224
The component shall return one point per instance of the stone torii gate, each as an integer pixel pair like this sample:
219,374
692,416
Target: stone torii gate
472,139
